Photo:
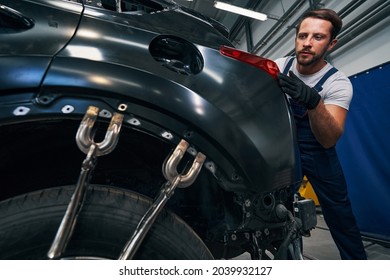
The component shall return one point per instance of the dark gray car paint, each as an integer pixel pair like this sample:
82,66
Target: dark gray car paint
237,114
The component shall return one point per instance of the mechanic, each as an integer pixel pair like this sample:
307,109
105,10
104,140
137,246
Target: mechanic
320,96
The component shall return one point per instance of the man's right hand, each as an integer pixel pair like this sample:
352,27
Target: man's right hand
298,90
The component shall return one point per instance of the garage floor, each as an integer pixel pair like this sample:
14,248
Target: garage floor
320,246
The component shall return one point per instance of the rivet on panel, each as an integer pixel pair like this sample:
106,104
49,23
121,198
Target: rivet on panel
122,107
105,113
67,109
21,111
167,135
134,121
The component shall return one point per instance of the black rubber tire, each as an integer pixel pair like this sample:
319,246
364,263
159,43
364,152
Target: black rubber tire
28,224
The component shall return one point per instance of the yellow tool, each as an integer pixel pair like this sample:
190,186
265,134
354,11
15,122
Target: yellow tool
306,190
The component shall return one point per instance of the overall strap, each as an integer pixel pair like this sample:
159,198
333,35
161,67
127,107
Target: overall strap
318,86
288,65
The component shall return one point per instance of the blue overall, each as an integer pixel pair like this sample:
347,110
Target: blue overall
323,170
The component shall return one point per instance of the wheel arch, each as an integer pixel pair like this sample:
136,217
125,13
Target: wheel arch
237,137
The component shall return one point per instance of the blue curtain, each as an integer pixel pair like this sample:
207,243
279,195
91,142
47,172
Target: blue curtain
364,151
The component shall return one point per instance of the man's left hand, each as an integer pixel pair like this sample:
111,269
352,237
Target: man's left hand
298,90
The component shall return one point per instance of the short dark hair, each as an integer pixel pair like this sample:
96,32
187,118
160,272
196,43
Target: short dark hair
325,14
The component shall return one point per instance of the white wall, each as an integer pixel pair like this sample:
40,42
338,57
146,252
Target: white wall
367,50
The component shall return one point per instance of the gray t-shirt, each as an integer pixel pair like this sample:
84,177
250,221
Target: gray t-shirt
337,89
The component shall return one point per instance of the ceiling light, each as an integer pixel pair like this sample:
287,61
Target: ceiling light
240,11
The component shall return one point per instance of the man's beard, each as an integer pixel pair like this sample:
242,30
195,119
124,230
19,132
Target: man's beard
307,62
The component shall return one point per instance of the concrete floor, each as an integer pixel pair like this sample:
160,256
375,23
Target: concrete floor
320,245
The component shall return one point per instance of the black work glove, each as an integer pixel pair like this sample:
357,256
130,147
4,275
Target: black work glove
298,90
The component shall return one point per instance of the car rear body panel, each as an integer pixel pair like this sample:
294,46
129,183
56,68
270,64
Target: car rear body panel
236,113
26,53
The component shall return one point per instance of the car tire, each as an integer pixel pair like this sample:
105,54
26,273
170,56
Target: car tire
28,224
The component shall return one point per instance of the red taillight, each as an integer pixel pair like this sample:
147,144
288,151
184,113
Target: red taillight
263,63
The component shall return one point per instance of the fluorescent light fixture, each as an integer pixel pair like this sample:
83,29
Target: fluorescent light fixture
240,11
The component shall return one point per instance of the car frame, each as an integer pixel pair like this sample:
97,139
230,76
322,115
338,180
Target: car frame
172,114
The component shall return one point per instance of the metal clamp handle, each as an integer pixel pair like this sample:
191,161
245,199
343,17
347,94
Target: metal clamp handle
167,190
86,144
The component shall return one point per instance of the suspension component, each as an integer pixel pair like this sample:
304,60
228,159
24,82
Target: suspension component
86,144
174,180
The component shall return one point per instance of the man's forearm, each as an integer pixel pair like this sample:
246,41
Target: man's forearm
324,126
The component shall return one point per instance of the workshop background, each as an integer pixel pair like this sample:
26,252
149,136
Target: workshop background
362,53
63,79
